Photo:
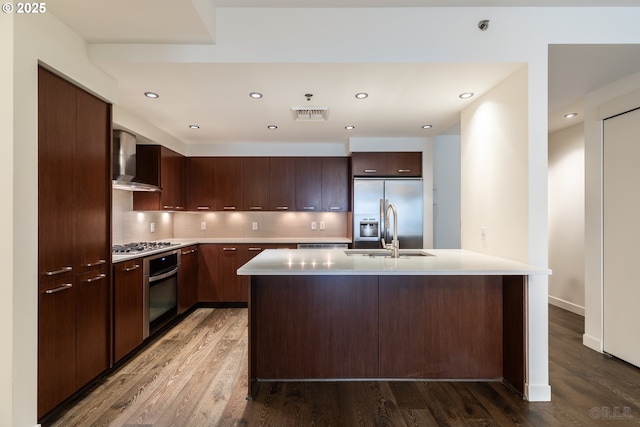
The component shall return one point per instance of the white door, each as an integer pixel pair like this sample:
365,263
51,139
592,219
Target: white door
621,236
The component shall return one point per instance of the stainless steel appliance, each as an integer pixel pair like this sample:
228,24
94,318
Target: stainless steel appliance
160,290
370,200
140,247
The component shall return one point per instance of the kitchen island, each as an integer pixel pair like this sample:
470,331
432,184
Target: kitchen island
450,315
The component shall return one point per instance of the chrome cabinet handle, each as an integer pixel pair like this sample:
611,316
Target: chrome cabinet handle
135,267
255,208
202,208
62,270
93,264
229,208
404,170
334,208
370,170
229,249
282,208
255,249
58,289
189,252
308,208
168,207
95,279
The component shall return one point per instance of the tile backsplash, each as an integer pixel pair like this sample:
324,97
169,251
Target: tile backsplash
133,226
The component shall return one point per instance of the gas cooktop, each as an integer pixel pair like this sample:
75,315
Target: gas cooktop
140,247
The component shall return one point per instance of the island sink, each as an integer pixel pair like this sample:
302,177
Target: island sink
385,253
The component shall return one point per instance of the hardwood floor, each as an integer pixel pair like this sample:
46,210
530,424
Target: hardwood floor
196,375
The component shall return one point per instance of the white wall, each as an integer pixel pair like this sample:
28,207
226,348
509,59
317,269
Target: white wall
446,192
566,218
610,100
8,372
494,171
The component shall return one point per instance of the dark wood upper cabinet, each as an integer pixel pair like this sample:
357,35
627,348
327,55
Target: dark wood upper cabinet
335,184
308,184
56,198
282,183
228,184
404,164
160,166
387,164
369,164
201,178
255,181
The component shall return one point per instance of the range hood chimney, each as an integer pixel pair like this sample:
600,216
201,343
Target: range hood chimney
124,163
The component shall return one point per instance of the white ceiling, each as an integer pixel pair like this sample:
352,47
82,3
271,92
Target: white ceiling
403,97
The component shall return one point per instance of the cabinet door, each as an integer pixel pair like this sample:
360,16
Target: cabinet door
92,187
57,222
308,184
208,273
255,180
369,164
282,183
172,171
404,164
93,330
56,342
230,284
128,307
335,184
229,184
188,279
201,178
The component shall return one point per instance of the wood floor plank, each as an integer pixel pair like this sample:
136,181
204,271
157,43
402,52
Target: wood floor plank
195,375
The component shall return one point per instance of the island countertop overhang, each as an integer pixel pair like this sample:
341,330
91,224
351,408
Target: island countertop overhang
348,262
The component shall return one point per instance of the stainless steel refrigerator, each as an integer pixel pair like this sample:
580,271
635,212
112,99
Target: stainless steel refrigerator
370,199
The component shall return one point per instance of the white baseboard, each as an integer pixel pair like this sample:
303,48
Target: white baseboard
566,305
592,343
537,392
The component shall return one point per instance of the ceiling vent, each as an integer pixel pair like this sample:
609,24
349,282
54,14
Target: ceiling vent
310,114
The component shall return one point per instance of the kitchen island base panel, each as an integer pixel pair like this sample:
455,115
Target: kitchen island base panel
319,328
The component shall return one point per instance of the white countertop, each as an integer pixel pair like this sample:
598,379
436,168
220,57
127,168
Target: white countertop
179,243
337,262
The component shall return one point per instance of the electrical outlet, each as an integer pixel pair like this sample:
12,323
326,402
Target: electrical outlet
314,225
322,225
254,225
152,227
483,233
203,225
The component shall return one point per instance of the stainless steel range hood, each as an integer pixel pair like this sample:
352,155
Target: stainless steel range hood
124,163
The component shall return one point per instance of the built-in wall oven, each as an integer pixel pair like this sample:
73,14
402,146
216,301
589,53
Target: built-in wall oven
160,290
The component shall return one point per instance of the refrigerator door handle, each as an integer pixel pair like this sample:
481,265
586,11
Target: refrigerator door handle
383,227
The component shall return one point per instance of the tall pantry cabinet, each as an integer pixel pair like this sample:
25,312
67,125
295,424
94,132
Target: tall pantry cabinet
74,243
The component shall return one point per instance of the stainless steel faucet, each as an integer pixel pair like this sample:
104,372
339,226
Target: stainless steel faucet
394,247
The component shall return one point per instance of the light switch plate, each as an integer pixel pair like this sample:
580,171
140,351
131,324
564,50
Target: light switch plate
314,225
254,225
152,227
322,226
203,225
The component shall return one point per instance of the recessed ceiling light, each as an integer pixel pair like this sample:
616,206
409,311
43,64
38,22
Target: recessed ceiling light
272,127
151,95
361,95
427,126
466,95
194,127
255,95
570,115
350,127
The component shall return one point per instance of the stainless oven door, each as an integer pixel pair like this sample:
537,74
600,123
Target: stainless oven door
161,290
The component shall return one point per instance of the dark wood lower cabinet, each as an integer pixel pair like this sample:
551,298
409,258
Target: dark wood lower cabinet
307,327
127,307
93,325
56,342
188,278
